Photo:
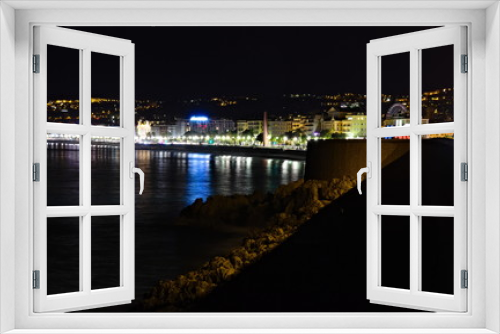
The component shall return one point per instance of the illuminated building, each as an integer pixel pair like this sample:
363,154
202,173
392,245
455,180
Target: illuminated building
143,129
312,125
353,126
241,126
221,126
198,124
279,127
256,126
204,125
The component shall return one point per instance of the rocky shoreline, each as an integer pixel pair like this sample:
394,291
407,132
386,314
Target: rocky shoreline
271,219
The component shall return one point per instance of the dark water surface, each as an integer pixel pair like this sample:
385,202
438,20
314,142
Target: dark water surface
173,181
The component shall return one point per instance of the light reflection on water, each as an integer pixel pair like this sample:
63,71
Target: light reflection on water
183,177
173,180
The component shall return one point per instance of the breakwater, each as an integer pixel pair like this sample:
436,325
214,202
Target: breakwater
245,151
276,216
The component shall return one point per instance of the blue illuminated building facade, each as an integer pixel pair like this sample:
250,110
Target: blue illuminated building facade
199,124
204,125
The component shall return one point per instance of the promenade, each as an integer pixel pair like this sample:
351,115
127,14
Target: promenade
245,151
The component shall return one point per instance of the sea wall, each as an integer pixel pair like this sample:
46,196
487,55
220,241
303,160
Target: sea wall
230,150
333,158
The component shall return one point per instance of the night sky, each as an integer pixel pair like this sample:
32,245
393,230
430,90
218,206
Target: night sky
174,62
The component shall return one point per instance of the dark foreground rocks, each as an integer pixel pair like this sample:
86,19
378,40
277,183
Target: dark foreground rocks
273,219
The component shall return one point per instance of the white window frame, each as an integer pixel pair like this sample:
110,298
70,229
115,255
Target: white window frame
123,51
414,44
483,20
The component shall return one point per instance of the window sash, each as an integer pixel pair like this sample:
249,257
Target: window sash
413,297
86,297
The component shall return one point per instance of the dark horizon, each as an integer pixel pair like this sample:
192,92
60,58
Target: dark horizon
188,62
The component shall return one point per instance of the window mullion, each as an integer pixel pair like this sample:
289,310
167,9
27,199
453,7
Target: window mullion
85,236
86,121
415,106
81,151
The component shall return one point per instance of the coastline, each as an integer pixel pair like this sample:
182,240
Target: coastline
232,150
244,151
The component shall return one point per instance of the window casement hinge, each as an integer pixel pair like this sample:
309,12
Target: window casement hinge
36,172
36,279
464,277
36,63
465,64
464,171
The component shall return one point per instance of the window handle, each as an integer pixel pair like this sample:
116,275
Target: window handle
368,171
141,175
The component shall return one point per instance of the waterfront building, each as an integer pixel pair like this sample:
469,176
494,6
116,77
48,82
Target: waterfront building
241,126
256,126
338,126
143,129
159,130
198,124
312,125
353,126
327,125
163,128
279,127
221,126
357,126
298,122
180,128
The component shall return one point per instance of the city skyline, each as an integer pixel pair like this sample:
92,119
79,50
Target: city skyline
246,107
336,116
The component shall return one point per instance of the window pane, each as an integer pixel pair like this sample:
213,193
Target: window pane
63,255
395,251
437,254
437,84
395,174
105,89
395,82
105,170
105,252
63,85
437,169
63,170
